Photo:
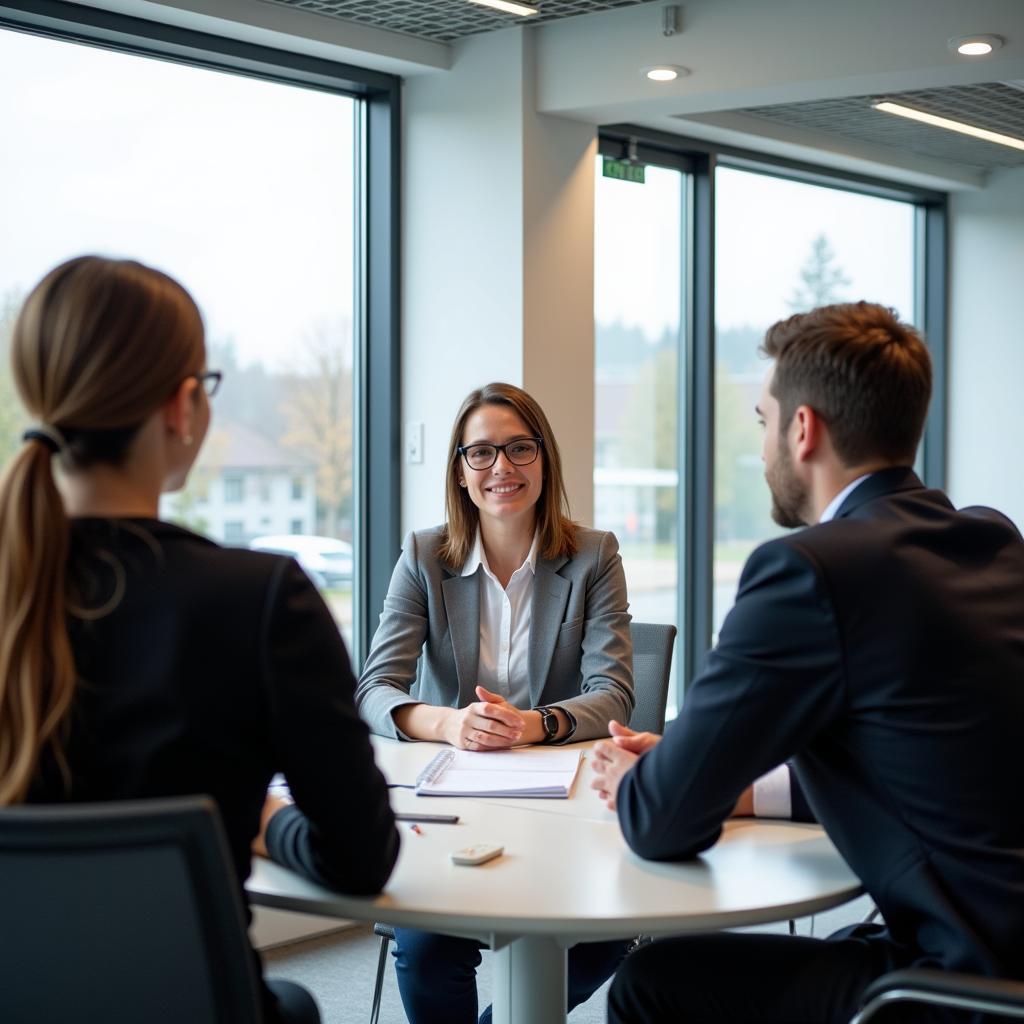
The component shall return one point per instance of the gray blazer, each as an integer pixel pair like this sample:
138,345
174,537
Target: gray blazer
580,655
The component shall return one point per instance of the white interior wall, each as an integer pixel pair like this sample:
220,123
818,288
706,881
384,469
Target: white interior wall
462,319
497,259
558,285
986,370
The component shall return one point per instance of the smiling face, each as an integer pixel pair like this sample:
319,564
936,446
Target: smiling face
504,492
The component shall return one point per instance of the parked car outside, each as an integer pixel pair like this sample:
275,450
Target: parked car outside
326,560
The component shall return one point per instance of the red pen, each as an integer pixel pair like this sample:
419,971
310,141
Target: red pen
416,829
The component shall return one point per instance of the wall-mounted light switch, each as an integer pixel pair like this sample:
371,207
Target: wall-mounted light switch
414,442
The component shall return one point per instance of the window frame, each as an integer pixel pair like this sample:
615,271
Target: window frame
699,159
377,355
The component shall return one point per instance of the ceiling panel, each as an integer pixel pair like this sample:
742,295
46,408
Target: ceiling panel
998,106
446,20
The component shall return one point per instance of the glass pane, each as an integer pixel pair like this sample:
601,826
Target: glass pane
637,300
244,191
783,247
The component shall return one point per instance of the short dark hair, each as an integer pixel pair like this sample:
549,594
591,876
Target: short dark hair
868,375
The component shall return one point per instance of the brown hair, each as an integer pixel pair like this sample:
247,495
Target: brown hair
98,346
868,375
557,531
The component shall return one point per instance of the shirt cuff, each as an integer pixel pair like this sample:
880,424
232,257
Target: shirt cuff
772,797
573,724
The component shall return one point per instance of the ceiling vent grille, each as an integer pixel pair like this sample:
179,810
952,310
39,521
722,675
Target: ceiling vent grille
446,20
996,106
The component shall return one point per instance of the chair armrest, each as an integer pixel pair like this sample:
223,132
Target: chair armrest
943,988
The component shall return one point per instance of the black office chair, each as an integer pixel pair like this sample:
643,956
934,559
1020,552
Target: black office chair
942,988
120,913
652,666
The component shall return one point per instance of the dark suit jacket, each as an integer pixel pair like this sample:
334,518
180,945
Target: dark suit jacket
884,653
213,669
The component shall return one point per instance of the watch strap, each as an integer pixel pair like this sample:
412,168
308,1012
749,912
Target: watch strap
549,720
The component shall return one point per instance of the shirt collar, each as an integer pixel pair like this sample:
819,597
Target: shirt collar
836,503
477,556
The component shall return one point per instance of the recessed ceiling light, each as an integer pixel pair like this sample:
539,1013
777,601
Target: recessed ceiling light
950,125
509,7
664,72
975,46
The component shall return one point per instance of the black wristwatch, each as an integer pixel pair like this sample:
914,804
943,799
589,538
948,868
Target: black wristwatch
549,720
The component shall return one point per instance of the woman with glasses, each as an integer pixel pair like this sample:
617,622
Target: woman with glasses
517,618
138,659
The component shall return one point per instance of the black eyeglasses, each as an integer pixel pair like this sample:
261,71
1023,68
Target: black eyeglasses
520,452
210,381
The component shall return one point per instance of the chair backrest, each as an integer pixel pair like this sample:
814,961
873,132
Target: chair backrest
121,912
652,666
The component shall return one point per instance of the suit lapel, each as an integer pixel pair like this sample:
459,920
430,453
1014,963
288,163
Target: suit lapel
462,605
547,613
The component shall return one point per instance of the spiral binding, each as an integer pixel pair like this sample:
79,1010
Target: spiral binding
436,768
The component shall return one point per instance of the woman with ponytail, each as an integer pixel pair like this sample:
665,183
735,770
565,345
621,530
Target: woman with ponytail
138,659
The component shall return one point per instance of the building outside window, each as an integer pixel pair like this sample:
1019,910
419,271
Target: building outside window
233,488
234,532
187,157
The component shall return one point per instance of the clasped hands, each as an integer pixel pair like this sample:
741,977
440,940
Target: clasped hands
614,757
488,724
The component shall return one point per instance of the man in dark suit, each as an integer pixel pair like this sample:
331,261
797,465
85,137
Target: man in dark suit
881,651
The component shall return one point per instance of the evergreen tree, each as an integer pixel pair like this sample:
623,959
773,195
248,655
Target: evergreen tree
821,280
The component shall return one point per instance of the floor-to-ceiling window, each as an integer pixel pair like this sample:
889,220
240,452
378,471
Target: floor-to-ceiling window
638,309
784,247
698,251
247,189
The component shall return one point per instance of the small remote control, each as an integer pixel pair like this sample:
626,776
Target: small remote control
478,853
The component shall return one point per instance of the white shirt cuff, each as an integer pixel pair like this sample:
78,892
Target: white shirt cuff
772,796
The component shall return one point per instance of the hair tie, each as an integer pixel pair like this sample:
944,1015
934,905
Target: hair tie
47,435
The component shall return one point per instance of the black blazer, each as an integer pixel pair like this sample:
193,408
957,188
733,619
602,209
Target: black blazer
884,653
213,669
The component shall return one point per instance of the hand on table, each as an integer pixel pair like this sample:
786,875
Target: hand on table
614,757
489,724
271,805
628,739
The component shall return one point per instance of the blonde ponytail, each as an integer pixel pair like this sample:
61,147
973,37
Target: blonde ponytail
37,668
98,347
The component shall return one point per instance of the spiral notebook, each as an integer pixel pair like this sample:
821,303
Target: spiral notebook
542,774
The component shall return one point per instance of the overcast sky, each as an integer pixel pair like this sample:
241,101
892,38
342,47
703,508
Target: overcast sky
241,189
244,191
765,227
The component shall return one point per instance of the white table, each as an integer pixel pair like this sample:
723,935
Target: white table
566,876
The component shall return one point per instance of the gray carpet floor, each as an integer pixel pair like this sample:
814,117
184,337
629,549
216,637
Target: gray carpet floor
339,970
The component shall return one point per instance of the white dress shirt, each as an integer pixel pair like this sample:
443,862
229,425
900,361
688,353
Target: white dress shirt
772,793
504,625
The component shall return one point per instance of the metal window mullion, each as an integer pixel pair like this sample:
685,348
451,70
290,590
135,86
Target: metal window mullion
698,439
379,453
935,281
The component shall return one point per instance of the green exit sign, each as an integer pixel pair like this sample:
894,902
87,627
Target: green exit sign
623,170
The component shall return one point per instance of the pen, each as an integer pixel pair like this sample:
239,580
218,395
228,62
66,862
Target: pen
416,829
439,819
